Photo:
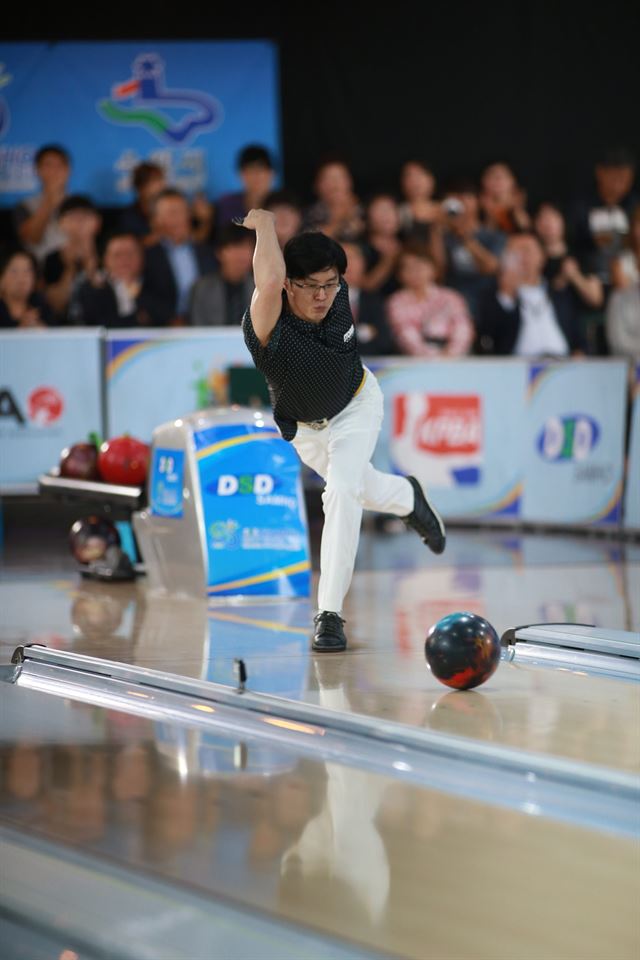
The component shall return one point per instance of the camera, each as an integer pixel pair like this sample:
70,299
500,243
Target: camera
453,207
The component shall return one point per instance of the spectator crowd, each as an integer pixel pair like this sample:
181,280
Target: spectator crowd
434,269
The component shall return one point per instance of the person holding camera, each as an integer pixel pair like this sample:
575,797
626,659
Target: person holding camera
472,250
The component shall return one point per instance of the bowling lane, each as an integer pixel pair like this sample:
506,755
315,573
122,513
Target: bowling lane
380,862
509,580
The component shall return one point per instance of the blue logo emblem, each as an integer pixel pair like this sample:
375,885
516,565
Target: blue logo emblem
568,438
171,115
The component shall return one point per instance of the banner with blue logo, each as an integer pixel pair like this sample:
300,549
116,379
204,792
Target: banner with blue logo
190,106
632,491
458,428
50,398
254,511
574,457
154,376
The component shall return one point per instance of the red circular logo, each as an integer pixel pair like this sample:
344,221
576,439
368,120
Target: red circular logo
45,405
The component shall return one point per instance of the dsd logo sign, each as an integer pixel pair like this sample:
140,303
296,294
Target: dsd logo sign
568,438
438,437
259,485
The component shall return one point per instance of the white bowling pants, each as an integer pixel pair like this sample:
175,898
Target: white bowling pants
340,454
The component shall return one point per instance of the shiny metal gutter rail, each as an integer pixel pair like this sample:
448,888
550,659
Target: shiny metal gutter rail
129,915
534,783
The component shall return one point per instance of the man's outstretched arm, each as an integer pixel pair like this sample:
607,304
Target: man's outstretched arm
268,273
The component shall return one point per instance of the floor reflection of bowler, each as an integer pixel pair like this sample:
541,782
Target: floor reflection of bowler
301,335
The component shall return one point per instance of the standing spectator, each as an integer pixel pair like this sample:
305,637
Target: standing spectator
427,320
625,268
472,250
113,297
20,304
220,299
600,221
288,213
367,306
337,211
524,316
622,319
419,210
148,181
382,244
77,259
172,266
502,199
255,168
36,218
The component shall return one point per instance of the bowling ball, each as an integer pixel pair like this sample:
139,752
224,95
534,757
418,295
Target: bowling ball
90,537
124,460
463,650
80,462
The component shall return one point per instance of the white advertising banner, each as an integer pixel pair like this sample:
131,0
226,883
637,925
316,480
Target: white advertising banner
50,397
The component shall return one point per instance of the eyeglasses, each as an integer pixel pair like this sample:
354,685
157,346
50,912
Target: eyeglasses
313,288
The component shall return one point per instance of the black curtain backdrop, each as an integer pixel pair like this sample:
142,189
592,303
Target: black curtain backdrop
545,87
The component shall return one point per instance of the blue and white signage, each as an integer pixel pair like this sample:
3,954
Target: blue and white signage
190,106
632,492
167,482
254,512
574,454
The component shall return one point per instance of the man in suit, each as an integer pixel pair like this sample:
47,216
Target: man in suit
523,316
175,263
221,298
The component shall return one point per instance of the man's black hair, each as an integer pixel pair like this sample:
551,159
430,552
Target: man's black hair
254,154
77,201
8,256
144,172
233,235
284,198
616,157
309,253
52,148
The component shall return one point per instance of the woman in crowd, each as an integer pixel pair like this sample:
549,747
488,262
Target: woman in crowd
427,320
21,306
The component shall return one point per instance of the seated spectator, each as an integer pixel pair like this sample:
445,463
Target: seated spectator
337,212
172,266
288,214
36,218
502,200
600,220
625,268
219,299
382,244
148,181
418,210
524,316
427,320
77,259
472,250
113,297
367,306
255,168
561,269
21,306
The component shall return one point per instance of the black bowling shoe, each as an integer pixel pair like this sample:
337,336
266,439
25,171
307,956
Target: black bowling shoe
426,520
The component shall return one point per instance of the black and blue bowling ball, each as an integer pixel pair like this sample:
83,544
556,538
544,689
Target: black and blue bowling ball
463,650
90,538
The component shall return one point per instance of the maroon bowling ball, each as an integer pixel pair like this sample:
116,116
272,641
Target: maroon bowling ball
463,650
90,537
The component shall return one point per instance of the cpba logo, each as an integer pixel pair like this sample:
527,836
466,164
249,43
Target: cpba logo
569,438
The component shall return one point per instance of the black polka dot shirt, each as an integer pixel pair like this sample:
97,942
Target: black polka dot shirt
312,369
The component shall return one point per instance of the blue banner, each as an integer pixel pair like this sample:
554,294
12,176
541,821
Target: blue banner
50,398
254,512
574,457
190,106
632,491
